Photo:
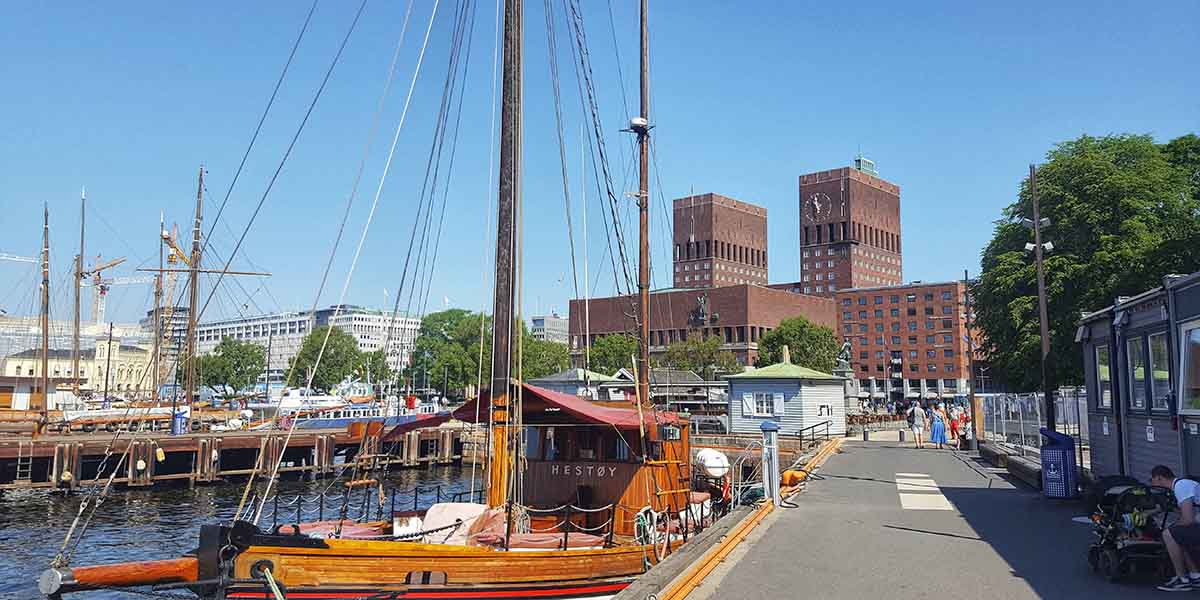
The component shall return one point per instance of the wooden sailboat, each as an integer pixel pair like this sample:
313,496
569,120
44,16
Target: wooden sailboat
581,499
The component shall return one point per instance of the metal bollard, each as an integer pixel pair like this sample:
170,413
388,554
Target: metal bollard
901,435
866,434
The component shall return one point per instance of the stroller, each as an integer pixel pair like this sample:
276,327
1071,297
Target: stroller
1129,522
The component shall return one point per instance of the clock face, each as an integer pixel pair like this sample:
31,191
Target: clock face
818,207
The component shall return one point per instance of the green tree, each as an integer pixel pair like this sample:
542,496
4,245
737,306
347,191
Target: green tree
340,359
542,358
810,345
702,356
448,351
232,365
613,352
1123,213
375,365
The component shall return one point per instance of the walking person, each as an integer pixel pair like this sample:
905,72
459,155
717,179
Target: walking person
937,431
916,421
1181,538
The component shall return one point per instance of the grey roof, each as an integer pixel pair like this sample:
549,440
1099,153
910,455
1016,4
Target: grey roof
575,375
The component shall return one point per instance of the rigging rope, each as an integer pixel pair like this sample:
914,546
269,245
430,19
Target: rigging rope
287,154
562,151
361,240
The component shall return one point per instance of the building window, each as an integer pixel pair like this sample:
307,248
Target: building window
862,327
910,297
1136,352
1191,398
932,368
914,367
928,324
947,323
878,313
862,300
929,296
895,312
820,289
912,353
946,295
895,299
829,264
806,254
879,354
912,312
929,310
947,310
879,327
847,328
807,290
948,353
863,354
1160,372
764,404
862,314
895,340
846,302
929,339
847,315
878,299
879,340
947,338
912,325
949,368
896,326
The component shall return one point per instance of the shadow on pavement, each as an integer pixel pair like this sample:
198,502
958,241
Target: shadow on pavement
1038,540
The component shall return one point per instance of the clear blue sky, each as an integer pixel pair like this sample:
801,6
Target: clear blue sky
952,101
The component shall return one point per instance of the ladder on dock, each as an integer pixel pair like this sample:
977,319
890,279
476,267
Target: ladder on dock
24,462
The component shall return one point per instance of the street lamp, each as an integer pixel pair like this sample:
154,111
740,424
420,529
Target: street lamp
1039,248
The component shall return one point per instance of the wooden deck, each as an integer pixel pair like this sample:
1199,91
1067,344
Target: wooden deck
65,461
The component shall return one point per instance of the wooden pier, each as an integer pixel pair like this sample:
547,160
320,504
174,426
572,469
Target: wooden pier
64,461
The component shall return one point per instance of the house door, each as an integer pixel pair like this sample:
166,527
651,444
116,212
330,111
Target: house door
6,397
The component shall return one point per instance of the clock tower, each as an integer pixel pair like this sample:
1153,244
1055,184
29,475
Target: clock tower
849,230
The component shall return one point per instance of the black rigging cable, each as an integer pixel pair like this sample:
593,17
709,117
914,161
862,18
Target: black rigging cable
262,119
291,145
562,151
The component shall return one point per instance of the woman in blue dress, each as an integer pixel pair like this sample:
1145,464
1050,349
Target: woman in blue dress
937,431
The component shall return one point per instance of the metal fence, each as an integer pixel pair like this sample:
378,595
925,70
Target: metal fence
1015,421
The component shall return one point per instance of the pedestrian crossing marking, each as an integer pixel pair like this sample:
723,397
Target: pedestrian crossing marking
916,485
918,491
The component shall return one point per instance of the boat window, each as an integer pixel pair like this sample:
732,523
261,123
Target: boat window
533,443
622,450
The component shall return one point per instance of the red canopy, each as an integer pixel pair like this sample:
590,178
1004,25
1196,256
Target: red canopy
538,401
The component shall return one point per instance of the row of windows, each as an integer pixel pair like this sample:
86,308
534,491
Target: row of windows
947,338
913,367
818,289
865,354
895,326
895,312
895,298
826,252
912,384
719,267
843,231
722,250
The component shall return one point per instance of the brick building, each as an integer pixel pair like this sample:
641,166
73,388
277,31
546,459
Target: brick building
738,314
718,241
922,324
849,230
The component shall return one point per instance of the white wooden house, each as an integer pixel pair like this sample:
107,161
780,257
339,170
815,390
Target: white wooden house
796,397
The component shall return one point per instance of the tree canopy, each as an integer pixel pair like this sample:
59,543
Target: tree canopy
611,353
810,345
232,366
448,351
341,358
1123,212
703,356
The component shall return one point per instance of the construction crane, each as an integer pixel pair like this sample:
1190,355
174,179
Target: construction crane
102,286
100,283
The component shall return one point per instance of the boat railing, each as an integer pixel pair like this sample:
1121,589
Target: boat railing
361,504
566,526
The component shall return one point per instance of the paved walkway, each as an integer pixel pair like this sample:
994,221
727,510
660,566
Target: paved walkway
885,520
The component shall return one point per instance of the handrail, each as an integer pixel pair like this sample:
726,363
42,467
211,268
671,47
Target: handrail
826,424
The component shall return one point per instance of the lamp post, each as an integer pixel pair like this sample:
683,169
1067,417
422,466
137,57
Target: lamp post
1039,249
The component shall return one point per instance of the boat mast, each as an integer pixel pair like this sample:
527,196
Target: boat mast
158,293
78,286
641,126
503,315
189,386
45,407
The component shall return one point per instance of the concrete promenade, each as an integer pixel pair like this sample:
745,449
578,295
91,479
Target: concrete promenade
884,520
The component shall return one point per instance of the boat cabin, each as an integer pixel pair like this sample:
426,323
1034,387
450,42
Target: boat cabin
605,462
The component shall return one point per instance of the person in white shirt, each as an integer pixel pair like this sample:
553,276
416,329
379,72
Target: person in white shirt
1183,537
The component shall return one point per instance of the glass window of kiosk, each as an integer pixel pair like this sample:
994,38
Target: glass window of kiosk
1160,373
1103,377
1189,368
1135,352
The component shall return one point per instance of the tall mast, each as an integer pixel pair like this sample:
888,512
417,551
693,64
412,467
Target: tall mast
189,386
157,317
78,285
641,126
45,402
503,314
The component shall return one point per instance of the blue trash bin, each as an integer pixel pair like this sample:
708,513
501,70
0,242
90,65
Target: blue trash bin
1058,465
179,423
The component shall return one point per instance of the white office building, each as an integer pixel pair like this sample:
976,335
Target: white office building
281,332
550,328
371,329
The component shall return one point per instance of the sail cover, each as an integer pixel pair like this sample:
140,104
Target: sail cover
540,401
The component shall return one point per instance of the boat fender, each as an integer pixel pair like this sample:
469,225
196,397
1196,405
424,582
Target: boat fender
159,454
141,465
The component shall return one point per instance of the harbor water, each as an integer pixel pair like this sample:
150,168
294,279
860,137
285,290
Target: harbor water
162,522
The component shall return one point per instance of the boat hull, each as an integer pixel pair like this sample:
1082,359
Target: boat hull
596,590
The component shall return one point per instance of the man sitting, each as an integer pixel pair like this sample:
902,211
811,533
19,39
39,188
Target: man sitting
1181,537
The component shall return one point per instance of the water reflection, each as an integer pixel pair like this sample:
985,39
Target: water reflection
144,524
